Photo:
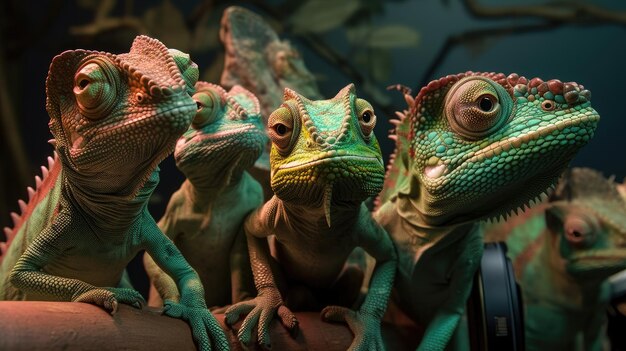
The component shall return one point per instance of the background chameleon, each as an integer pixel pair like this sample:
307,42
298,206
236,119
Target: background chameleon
325,160
259,61
470,146
114,118
204,217
563,251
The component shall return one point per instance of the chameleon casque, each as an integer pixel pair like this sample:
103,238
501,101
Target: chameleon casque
204,217
471,146
325,160
114,118
563,251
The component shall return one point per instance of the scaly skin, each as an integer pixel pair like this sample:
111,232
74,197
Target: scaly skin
563,254
471,146
114,118
325,161
204,217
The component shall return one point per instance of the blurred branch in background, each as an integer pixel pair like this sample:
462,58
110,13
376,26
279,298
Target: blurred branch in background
546,17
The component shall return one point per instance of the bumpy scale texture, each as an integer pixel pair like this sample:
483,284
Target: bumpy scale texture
469,147
325,161
563,252
204,217
114,118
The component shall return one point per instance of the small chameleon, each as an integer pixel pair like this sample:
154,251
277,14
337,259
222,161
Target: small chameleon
114,118
325,160
471,146
204,217
563,252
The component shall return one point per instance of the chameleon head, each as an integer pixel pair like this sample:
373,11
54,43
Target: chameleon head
483,144
225,138
115,117
324,151
587,219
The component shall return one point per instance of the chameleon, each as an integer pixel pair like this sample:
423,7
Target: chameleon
470,147
113,119
256,59
325,160
205,215
563,253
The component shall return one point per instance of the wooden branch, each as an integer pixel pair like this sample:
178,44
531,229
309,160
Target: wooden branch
39,325
42,325
558,11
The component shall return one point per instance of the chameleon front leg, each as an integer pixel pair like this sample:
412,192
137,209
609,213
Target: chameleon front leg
365,323
161,284
268,302
192,307
28,276
442,327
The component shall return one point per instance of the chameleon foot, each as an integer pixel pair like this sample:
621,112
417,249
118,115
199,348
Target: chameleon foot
204,326
365,327
108,298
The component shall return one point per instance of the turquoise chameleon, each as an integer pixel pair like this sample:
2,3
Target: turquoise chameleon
470,147
205,216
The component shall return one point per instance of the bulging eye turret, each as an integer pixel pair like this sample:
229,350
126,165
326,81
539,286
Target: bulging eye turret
366,117
283,127
208,105
95,88
477,106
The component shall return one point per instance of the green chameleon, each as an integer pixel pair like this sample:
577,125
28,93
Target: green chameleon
563,252
325,160
114,118
204,217
471,146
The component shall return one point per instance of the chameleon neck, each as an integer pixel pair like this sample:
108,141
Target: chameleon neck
108,213
203,193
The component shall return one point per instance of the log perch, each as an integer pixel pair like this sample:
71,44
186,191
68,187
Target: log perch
39,325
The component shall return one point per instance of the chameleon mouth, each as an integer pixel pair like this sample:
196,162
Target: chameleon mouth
296,165
436,168
221,135
81,141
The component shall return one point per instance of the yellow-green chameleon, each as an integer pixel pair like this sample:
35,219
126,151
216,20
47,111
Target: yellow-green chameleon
325,160
471,146
205,216
114,118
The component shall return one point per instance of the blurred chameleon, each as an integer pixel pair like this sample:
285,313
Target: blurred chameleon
563,251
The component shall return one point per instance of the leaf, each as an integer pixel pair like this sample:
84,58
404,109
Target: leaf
377,61
318,16
166,23
393,36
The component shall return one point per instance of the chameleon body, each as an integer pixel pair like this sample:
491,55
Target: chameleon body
204,217
470,146
325,161
114,118
563,253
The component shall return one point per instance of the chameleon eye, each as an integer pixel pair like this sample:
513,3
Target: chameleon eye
280,127
548,105
580,231
476,107
208,106
367,118
95,88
